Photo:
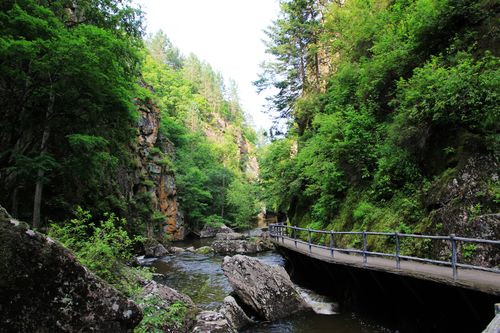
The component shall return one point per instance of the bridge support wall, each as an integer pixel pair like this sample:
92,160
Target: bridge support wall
404,303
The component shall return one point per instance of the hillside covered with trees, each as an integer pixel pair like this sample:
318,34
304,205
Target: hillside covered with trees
80,84
392,116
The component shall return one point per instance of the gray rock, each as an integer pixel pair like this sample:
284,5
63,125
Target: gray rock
43,288
167,295
234,314
160,296
236,247
212,322
229,236
266,289
175,249
211,231
190,249
155,251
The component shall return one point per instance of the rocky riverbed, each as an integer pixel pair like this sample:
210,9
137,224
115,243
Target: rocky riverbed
193,268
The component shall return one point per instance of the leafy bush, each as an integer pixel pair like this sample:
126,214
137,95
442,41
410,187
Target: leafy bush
214,221
100,246
157,319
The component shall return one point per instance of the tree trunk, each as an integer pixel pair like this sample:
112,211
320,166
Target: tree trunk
222,194
15,204
41,173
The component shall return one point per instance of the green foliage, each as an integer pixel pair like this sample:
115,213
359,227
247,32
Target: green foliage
205,122
410,92
278,175
100,246
458,91
468,250
214,221
241,198
157,319
66,91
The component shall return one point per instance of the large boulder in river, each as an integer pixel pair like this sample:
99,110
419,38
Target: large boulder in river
241,246
266,289
157,297
212,322
165,294
43,288
155,251
229,236
234,314
212,230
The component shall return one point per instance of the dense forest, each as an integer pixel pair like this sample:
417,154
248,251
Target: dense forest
391,113
74,79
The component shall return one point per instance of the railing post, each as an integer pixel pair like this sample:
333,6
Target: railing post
454,256
364,247
331,243
398,259
295,235
309,239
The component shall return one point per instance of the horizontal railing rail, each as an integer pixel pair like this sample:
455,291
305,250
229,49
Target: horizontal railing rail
282,231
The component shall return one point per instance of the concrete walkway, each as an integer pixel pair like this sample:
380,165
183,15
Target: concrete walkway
487,282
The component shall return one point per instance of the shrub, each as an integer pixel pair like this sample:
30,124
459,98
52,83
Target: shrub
99,246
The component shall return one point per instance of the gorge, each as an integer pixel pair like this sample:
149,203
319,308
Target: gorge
137,168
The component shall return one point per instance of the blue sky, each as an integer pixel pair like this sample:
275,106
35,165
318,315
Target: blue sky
226,33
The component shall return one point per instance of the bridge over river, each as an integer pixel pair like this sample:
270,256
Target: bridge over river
453,272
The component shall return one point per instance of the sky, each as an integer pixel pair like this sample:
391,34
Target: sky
227,34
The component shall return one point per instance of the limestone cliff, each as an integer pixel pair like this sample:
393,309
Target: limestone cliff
153,176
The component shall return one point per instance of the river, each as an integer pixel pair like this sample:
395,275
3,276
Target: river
201,277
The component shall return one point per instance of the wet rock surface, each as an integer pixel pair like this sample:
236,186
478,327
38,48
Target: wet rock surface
234,314
44,289
212,322
155,251
266,289
241,246
211,231
229,236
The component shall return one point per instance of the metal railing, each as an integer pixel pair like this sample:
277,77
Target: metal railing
290,232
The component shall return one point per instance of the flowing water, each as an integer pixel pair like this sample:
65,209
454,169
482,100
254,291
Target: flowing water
201,277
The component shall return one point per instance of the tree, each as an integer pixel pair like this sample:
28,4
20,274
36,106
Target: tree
292,41
89,94
163,51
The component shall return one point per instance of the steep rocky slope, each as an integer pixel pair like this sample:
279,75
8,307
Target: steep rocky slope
43,288
154,175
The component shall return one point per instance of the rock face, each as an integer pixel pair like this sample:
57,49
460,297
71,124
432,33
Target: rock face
266,289
44,289
153,174
458,202
234,314
211,231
